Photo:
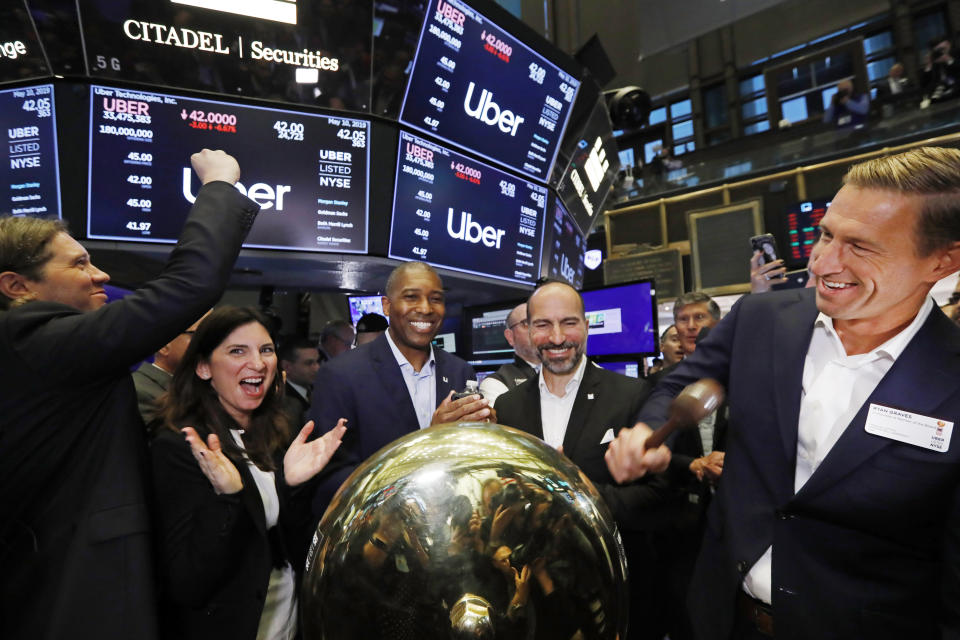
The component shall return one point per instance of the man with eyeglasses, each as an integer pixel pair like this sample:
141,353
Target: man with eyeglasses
526,362
336,338
152,379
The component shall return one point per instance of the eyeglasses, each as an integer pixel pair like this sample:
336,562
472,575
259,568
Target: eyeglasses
523,322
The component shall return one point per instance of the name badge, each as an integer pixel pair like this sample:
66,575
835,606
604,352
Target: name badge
911,428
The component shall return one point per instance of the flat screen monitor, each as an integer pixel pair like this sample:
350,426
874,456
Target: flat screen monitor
484,326
446,341
360,305
565,247
308,172
21,56
803,230
463,214
628,368
592,169
313,53
30,179
622,320
475,85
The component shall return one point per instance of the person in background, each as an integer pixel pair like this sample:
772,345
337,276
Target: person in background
670,346
299,361
526,362
232,528
941,73
847,109
336,338
369,327
151,379
75,530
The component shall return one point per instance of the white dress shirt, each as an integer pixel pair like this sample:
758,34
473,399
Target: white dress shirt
555,410
421,384
835,386
279,616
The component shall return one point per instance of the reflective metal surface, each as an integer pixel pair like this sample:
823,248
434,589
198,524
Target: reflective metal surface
466,531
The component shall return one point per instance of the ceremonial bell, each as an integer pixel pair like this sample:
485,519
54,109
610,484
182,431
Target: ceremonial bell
470,530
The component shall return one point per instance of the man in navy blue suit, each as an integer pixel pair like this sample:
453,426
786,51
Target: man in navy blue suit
838,514
396,384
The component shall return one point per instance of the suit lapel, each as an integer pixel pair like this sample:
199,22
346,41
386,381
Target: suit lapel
444,382
791,339
250,496
388,371
919,381
531,406
582,406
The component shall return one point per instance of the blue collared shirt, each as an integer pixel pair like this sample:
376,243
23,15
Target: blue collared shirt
421,385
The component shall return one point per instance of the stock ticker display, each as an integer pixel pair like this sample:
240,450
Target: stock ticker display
476,86
307,172
29,182
803,229
463,214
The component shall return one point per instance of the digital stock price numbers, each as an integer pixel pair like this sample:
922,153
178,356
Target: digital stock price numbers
474,85
29,180
307,172
459,213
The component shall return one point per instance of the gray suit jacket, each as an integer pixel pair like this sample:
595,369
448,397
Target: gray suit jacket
150,382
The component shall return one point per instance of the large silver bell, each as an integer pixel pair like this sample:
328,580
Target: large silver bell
464,531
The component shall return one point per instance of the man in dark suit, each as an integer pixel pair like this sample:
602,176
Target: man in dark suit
838,515
575,404
394,385
300,361
74,526
152,379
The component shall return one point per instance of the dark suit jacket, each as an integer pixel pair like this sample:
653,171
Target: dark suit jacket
605,400
150,382
868,548
295,406
215,553
74,525
365,386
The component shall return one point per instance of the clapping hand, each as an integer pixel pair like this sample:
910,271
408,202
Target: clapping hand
217,467
304,460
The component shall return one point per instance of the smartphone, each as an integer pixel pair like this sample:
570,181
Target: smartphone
766,244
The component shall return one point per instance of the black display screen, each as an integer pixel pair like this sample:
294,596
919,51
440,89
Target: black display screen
21,56
459,213
315,53
593,165
474,85
30,179
803,230
567,246
308,172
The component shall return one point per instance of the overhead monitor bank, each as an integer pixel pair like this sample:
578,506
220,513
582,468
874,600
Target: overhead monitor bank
463,214
308,172
475,85
29,180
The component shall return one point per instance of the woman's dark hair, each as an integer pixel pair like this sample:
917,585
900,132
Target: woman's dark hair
193,402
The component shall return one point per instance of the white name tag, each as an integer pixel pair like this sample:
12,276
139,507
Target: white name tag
912,428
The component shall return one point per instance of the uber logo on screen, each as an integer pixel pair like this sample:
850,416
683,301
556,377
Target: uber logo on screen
489,112
263,194
472,231
277,10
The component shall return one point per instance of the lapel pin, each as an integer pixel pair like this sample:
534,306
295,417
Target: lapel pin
589,396
445,379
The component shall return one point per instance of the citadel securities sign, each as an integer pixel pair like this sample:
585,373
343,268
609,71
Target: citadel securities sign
185,38
277,50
